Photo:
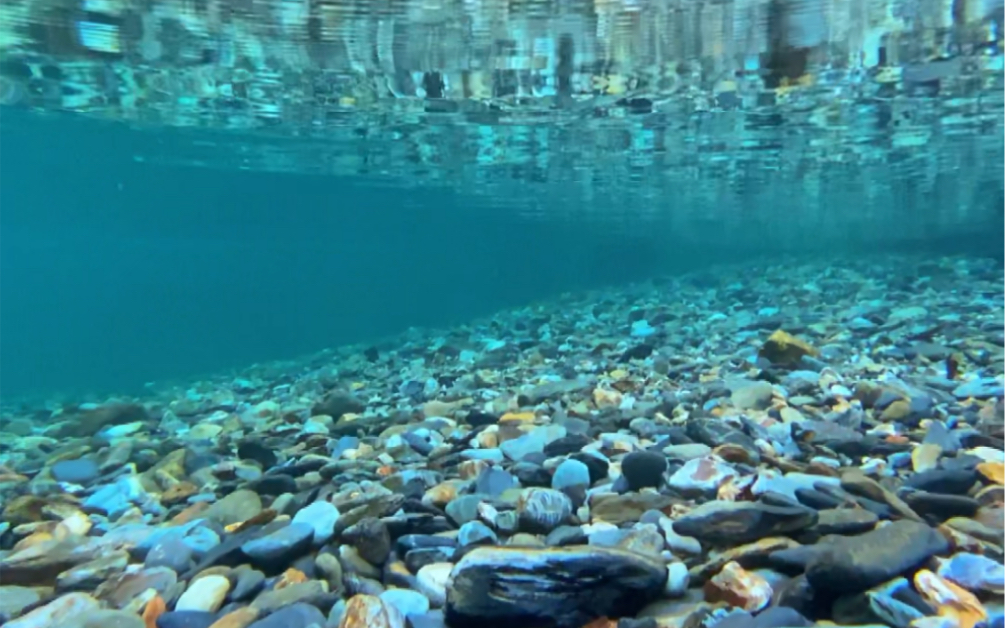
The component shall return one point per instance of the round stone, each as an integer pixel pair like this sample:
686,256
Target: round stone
643,468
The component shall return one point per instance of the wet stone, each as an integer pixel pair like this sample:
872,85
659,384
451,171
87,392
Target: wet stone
277,550
541,510
371,539
857,563
172,553
322,517
643,468
80,471
583,583
186,619
493,481
570,473
734,523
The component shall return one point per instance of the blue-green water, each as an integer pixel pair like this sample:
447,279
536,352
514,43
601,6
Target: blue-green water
116,272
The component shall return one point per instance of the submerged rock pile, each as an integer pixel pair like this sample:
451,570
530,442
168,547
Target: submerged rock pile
776,447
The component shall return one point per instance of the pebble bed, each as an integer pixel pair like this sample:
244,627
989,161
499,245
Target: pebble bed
768,446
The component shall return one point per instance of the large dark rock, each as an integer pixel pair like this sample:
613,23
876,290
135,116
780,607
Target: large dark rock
949,481
735,523
90,422
854,564
336,403
559,587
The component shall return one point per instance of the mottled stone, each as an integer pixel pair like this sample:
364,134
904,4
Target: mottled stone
508,585
732,523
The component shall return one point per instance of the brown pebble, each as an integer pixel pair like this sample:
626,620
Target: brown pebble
261,518
240,618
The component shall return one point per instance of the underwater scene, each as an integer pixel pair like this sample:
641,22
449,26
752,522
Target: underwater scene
502,314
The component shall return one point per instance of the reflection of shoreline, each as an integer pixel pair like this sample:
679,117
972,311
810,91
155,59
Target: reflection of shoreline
315,63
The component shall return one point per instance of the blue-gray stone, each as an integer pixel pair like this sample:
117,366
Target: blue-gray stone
494,481
249,583
570,473
186,619
281,547
172,553
476,533
299,615
343,444
407,602
79,471
982,388
201,540
322,517
464,508
420,440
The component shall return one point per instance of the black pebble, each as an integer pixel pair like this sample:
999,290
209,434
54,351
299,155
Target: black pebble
566,445
643,468
941,507
254,450
949,481
596,465
274,485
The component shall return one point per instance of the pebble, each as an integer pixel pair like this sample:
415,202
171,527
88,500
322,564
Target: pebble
858,563
505,584
79,471
296,615
643,468
322,517
570,473
205,594
281,547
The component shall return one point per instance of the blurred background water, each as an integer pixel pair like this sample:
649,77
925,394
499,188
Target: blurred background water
187,187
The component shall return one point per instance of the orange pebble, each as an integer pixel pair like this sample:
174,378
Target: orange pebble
154,609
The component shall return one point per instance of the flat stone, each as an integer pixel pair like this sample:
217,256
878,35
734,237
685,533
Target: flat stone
732,523
172,553
280,548
40,564
204,594
297,615
845,521
702,475
269,601
322,517
14,599
618,509
186,619
80,471
105,619
56,612
88,576
582,584
752,395
236,507
852,564
407,602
